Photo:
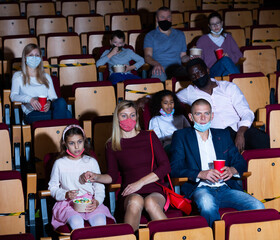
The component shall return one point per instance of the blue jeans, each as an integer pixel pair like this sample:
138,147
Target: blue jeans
120,77
58,110
209,200
223,67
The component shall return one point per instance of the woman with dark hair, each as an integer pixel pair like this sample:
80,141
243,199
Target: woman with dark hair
167,116
217,38
32,82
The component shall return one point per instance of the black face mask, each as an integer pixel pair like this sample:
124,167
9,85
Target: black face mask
202,81
119,48
164,25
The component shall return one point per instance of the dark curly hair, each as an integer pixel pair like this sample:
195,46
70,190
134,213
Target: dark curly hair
155,104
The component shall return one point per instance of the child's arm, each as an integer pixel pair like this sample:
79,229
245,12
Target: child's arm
106,56
138,59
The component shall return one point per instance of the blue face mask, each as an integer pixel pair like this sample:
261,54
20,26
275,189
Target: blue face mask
33,61
202,127
217,33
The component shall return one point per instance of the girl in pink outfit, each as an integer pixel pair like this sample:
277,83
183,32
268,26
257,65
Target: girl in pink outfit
65,186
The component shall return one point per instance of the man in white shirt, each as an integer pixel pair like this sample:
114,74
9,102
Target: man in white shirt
229,105
192,153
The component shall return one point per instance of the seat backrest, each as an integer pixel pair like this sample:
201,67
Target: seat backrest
238,35
149,6
266,35
102,131
264,161
192,35
177,20
39,8
46,139
246,4
14,45
22,236
254,224
13,26
255,90
107,7
88,23
214,5
113,232
96,40
11,201
136,40
125,22
269,16
5,148
51,24
63,44
194,227
259,59
72,74
238,17
100,95
9,9
182,6
135,89
74,7
199,19
272,124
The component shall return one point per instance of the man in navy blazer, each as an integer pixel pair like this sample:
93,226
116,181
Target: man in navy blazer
192,153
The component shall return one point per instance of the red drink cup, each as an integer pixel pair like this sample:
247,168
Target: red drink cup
218,164
219,53
42,100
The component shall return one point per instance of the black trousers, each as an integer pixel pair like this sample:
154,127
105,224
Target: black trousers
254,138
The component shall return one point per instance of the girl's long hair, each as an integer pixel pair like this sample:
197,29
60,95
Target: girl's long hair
69,133
155,104
41,78
116,131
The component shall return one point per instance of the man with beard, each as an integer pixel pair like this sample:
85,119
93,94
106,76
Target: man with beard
228,103
165,48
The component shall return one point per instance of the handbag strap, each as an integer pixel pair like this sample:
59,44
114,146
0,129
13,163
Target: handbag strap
153,159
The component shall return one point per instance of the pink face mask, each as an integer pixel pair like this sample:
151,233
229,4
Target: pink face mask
75,156
127,124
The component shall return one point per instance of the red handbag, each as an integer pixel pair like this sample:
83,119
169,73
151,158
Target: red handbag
175,200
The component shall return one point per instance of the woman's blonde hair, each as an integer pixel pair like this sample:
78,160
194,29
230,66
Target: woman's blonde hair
41,78
116,132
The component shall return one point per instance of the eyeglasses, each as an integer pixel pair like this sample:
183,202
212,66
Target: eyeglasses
215,24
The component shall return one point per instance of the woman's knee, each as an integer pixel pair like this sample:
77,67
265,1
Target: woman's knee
154,202
134,203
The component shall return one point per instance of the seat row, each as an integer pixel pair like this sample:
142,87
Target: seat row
102,99
29,8
258,160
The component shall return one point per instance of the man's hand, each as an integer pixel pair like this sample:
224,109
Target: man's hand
240,139
211,175
228,172
131,188
158,69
